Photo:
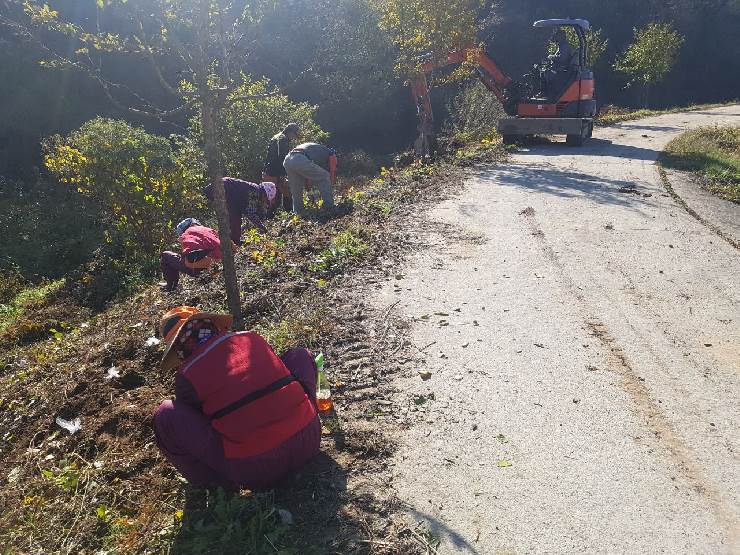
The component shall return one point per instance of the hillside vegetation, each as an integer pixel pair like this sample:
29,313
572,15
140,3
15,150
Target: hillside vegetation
106,488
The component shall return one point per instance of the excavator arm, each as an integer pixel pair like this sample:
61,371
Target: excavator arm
489,73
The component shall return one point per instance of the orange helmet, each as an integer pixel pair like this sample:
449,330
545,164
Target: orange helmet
172,322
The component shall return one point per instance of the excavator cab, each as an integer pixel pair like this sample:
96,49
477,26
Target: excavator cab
566,103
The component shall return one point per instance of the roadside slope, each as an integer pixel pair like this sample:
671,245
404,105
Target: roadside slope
583,335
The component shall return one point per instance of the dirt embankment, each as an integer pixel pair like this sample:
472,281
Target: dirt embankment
107,487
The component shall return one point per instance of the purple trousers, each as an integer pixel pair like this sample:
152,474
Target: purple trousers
186,438
172,266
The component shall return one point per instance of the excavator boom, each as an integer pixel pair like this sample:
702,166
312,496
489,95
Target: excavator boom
563,102
489,73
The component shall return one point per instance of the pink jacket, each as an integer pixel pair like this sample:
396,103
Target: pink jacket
201,238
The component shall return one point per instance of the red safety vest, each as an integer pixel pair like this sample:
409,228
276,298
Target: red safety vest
254,401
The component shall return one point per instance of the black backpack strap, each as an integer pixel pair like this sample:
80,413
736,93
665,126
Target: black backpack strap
271,388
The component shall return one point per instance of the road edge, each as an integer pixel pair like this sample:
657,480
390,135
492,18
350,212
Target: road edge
671,191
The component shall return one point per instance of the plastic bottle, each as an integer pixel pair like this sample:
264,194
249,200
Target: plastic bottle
323,392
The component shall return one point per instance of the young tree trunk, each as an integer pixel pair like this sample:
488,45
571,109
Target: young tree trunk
209,115
215,176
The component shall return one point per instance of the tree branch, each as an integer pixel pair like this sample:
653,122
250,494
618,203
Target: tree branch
166,85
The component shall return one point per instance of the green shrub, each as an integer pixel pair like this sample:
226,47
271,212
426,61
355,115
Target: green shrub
108,275
474,113
47,230
357,163
12,282
133,176
246,127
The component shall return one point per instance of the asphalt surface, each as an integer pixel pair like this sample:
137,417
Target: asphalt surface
582,331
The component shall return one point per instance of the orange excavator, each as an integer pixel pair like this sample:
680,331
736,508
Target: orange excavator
562,102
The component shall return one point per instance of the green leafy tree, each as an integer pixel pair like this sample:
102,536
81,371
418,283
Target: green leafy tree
421,27
195,52
133,176
596,44
651,56
351,76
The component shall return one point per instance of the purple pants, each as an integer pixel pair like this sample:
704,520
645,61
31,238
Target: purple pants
172,266
186,438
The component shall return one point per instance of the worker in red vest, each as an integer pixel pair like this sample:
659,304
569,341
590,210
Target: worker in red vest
200,248
242,416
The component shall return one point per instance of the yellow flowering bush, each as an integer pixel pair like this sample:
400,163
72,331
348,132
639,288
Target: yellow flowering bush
132,175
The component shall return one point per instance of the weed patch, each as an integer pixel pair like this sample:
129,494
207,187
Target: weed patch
346,246
712,153
234,525
297,329
30,297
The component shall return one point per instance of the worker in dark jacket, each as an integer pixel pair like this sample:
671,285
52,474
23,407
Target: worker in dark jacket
316,163
272,170
244,198
200,248
242,416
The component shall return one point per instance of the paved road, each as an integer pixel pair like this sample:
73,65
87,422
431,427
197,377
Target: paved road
586,357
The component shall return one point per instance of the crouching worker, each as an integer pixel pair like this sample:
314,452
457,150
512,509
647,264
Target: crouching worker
244,198
314,162
242,417
200,247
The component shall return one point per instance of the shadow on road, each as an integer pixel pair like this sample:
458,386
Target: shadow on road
550,180
713,114
594,147
630,125
441,530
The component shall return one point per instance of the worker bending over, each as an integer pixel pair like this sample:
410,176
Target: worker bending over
242,416
200,248
273,170
314,162
244,198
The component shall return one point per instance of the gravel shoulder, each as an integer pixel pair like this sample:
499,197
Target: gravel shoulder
582,331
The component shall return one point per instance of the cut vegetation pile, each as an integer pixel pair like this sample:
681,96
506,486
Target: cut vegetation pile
713,154
106,489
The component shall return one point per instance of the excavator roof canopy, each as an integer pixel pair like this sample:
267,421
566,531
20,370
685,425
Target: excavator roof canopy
582,23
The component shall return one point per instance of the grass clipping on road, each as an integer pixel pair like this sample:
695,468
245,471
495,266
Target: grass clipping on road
712,153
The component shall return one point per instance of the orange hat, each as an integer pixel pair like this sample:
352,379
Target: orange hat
173,321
